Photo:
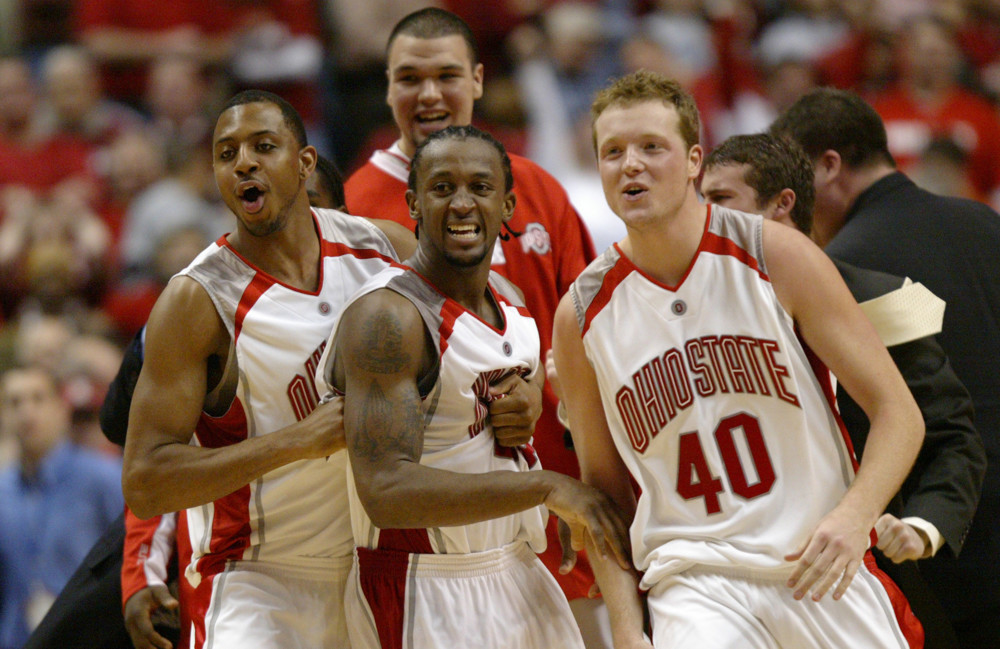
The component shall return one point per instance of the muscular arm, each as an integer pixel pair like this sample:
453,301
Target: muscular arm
831,323
600,466
382,351
162,472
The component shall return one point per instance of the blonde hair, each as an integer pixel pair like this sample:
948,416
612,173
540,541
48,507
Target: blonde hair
644,85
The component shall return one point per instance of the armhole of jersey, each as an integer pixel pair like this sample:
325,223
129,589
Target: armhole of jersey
220,398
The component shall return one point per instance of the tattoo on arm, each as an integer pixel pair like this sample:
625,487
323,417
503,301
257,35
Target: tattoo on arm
388,426
382,345
387,423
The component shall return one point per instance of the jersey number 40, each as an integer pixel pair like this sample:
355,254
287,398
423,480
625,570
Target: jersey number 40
694,477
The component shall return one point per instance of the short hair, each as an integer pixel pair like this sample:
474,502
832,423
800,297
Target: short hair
644,85
775,163
433,22
331,179
462,133
827,119
291,116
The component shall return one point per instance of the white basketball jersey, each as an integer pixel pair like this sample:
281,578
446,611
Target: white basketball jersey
297,514
721,414
458,435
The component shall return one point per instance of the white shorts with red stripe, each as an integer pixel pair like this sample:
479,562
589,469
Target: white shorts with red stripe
496,599
253,604
704,607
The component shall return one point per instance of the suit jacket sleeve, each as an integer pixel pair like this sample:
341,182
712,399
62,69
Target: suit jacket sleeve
945,483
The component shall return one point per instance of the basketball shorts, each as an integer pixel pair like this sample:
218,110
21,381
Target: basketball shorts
496,599
251,604
704,607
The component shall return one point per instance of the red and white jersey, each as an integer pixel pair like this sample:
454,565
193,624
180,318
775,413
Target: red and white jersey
722,415
554,248
458,435
296,515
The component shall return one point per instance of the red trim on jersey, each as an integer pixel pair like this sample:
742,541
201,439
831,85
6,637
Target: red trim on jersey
710,243
382,577
327,249
415,541
717,245
622,269
231,517
197,602
337,249
913,630
255,289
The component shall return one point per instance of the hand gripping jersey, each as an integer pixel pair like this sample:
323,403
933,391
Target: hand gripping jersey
458,435
721,414
296,515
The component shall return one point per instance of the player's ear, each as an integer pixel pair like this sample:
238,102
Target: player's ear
411,202
695,156
784,204
508,206
307,161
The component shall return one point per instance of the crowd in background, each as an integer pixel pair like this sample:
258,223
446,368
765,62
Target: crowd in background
106,110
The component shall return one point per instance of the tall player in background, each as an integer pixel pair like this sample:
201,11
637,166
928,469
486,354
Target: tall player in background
434,77
413,354
681,364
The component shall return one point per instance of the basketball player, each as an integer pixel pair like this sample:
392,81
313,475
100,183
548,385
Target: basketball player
434,78
446,522
231,350
681,364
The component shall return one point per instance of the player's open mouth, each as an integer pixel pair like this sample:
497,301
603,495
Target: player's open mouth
463,231
634,190
426,118
253,199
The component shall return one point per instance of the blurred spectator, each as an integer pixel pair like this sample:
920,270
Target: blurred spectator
806,31
54,502
38,339
129,303
178,100
492,22
53,253
681,28
929,102
355,85
979,36
88,368
276,45
187,197
126,36
559,67
942,169
133,162
74,102
28,157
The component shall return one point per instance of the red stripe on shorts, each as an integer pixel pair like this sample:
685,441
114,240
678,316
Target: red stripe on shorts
912,630
382,576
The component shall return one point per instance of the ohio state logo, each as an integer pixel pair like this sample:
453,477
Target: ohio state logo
535,238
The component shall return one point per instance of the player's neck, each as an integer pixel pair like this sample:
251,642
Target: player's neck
665,248
465,285
290,255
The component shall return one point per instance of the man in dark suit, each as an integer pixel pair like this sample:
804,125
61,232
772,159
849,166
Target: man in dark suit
772,176
870,215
